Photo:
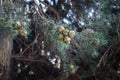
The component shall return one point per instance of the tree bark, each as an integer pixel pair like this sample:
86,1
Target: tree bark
5,53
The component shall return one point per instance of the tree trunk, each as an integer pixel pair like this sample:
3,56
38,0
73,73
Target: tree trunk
5,53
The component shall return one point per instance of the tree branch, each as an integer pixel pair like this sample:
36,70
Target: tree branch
103,58
117,29
1,2
52,9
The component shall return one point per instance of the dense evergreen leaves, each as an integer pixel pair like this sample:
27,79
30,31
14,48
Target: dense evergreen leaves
43,52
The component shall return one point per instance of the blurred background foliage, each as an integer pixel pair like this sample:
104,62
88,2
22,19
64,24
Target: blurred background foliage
93,53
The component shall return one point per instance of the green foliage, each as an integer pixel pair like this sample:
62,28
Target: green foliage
50,31
89,40
9,16
94,35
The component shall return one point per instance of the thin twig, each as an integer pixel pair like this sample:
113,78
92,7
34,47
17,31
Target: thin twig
78,76
1,2
40,9
31,44
20,41
117,29
25,59
52,9
105,55
12,6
